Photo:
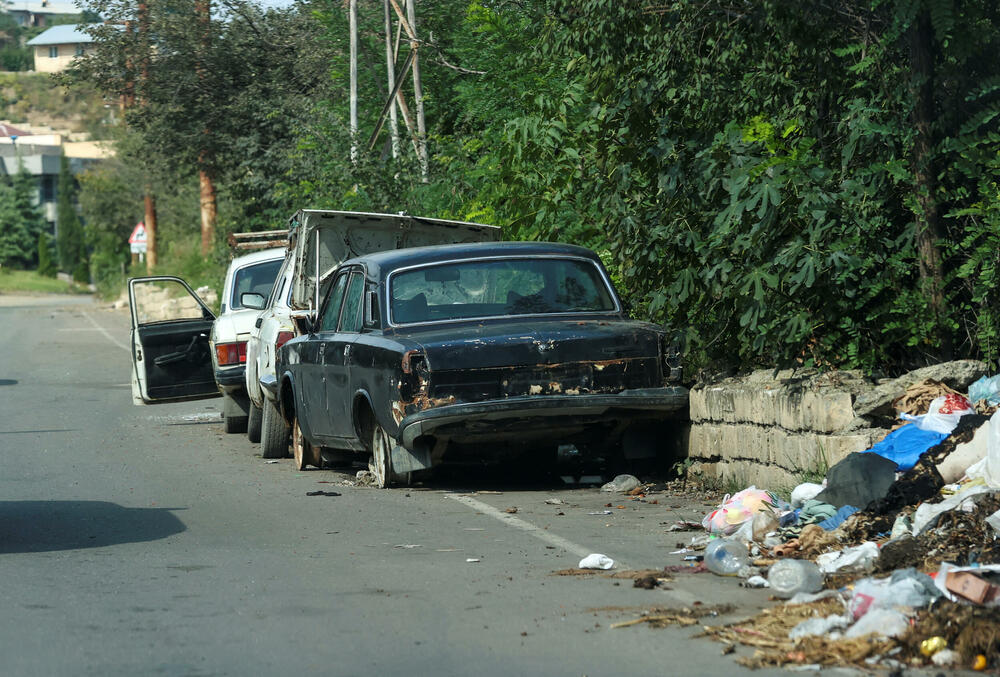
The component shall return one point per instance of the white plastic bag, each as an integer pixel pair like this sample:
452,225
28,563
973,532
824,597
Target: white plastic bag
858,558
596,561
988,469
882,622
943,414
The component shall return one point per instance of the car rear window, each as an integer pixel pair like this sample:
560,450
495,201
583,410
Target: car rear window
497,287
258,279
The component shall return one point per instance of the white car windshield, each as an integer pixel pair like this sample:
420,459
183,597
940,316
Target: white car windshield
480,288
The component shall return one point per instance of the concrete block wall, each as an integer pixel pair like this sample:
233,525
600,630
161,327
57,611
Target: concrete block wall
773,429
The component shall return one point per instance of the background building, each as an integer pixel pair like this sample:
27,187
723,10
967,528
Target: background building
39,154
56,48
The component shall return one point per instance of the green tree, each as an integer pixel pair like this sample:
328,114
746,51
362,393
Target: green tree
20,220
46,266
70,245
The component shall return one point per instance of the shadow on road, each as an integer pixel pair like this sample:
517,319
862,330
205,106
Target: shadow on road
45,526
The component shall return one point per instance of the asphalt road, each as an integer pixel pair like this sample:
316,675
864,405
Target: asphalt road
146,541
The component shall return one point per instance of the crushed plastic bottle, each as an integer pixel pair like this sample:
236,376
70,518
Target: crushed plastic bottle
791,576
726,557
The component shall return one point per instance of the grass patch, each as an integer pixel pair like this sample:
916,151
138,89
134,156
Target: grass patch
30,282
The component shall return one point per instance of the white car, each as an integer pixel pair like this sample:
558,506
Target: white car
249,274
272,328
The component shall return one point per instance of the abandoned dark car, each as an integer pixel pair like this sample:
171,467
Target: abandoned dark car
473,352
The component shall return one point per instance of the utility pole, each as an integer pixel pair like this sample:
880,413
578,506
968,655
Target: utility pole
390,67
418,92
353,23
149,200
417,129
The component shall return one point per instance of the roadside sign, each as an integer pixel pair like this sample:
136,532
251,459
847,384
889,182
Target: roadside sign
137,240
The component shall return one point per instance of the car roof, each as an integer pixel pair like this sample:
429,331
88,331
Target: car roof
400,258
257,257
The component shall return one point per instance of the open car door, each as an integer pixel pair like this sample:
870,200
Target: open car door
171,361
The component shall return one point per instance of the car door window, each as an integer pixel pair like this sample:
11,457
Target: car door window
255,279
164,300
331,312
350,319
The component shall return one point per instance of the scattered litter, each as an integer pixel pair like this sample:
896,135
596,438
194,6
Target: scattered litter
600,512
622,484
447,550
858,558
511,510
819,626
596,561
555,501
880,622
270,462
932,645
726,557
788,577
471,560
805,492
322,493
739,508
756,582
408,546
684,525
945,658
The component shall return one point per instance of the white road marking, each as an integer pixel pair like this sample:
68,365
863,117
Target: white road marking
187,418
680,596
104,331
539,533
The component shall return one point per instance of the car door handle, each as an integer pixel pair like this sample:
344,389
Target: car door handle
347,351
259,321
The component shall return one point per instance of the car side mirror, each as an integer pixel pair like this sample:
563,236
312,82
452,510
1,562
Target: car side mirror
252,300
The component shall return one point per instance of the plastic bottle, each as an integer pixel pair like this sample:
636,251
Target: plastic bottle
789,577
725,557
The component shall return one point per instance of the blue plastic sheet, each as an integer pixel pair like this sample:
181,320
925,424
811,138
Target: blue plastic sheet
904,445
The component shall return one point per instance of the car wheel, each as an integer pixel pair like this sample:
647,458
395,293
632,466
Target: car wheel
254,423
380,464
303,452
274,433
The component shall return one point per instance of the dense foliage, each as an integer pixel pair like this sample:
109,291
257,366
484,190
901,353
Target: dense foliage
777,183
20,220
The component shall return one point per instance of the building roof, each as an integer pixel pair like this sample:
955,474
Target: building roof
67,34
41,6
8,130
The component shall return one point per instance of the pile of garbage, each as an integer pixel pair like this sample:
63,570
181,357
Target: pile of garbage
892,560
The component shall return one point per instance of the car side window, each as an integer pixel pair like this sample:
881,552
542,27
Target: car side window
328,322
350,319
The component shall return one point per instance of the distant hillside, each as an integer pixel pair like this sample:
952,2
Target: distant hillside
34,98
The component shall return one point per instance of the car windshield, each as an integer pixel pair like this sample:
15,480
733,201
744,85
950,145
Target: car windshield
258,279
496,287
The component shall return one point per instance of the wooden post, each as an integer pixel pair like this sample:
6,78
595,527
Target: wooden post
207,196
390,64
353,21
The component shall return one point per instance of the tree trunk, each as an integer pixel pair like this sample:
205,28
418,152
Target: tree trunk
928,218
150,203
208,210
